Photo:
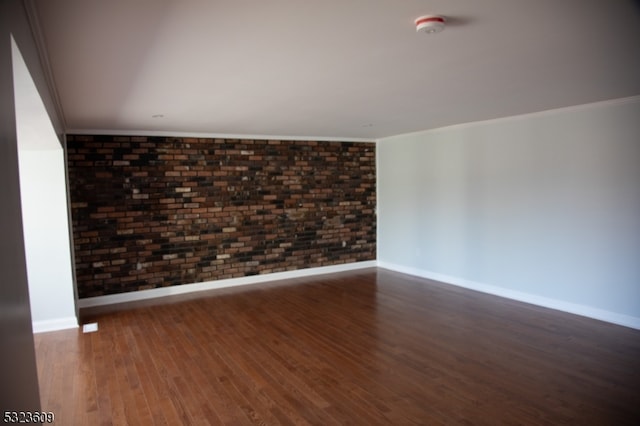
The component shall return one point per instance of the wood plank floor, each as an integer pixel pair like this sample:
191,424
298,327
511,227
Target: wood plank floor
364,347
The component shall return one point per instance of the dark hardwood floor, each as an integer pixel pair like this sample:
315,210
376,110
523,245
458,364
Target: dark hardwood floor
365,347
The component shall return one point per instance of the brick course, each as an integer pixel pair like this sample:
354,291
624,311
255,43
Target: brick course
160,211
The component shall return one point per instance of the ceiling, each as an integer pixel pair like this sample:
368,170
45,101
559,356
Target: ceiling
346,69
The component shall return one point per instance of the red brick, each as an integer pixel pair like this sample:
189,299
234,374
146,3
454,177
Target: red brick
292,203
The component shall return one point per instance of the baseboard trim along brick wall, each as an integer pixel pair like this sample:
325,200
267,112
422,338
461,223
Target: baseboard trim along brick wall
155,293
152,212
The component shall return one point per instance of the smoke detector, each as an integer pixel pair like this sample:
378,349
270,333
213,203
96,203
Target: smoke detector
430,24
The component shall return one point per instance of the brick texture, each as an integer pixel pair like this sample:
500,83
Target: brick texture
156,211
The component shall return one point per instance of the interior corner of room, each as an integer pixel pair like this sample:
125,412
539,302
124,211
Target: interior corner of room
540,206
508,189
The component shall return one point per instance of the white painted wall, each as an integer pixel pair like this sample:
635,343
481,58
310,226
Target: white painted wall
44,216
44,208
543,207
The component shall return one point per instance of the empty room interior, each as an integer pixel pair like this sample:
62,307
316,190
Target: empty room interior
317,213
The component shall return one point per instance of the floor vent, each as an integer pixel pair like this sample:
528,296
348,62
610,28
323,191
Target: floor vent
90,328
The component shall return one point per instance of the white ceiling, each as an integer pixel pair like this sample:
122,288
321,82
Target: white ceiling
331,68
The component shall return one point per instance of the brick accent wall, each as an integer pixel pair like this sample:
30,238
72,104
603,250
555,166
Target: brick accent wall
161,211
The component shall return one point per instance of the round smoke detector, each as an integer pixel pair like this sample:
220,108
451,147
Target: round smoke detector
430,24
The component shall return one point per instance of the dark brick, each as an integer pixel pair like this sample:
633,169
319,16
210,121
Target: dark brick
195,210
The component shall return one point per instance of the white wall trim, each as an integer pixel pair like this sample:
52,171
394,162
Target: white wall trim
559,305
54,324
152,133
41,47
211,285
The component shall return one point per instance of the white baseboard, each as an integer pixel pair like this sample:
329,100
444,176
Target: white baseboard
54,325
211,285
572,308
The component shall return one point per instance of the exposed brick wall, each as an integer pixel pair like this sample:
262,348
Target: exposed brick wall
156,211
